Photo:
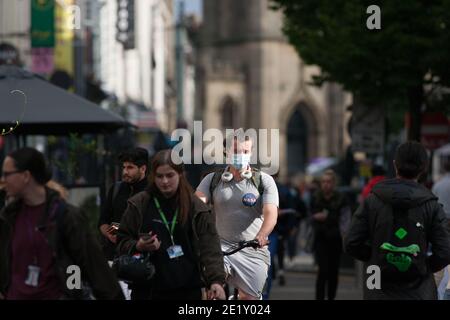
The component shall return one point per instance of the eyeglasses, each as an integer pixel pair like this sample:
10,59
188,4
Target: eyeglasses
6,174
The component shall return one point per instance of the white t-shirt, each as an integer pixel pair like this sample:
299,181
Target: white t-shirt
239,216
238,206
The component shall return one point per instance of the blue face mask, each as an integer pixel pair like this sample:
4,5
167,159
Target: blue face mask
240,160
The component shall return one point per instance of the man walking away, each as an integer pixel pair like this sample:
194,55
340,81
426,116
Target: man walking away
394,227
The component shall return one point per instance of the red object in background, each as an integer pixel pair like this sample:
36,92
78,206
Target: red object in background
369,186
435,130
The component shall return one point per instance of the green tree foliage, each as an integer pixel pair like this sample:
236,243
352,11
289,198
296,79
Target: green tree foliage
404,65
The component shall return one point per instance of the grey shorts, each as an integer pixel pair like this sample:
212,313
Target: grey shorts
247,270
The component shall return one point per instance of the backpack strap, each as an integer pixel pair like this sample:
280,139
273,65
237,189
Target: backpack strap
257,180
214,183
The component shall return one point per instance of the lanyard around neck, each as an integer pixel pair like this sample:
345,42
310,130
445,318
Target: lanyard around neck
164,219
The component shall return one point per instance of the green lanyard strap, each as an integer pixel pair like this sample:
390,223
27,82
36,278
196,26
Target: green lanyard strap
164,219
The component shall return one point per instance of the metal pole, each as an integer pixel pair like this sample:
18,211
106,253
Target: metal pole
79,82
179,60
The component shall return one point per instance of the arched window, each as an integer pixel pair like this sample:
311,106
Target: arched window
297,142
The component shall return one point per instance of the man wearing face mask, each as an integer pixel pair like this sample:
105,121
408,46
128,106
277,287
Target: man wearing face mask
245,201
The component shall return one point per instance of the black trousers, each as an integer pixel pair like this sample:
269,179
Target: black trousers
281,249
328,255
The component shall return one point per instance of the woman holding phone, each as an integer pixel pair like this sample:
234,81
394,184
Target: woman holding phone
178,230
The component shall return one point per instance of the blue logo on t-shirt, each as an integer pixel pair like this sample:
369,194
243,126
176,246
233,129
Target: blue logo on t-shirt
249,199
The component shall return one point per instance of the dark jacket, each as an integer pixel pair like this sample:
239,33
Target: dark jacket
330,229
401,194
68,235
205,240
114,208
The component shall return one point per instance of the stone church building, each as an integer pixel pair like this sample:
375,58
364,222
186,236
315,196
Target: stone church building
249,76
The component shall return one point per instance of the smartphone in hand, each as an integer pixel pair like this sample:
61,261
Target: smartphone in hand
114,227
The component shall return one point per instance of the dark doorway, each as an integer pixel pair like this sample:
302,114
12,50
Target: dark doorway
297,143
229,110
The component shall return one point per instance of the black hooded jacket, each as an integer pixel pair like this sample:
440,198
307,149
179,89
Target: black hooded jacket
401,194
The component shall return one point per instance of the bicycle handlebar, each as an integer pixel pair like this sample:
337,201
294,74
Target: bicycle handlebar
242,245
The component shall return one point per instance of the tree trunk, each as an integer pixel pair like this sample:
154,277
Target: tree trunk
415,99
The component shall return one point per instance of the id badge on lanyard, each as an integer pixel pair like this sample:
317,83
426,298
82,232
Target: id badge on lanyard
34,271
33,276
174,251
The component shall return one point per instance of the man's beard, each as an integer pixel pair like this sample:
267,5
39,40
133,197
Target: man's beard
132,180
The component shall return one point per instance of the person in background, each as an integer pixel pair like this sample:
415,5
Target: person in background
41,236
63,193
442,190
330,214
401,228
378,174
134,164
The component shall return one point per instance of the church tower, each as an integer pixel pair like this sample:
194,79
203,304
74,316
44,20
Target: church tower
250,76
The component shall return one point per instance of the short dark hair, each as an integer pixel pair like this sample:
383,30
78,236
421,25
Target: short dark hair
29,159
137,156
411,159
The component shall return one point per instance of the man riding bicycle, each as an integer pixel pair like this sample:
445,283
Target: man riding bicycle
245,201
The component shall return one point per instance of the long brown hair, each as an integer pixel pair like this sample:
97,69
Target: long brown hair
184,191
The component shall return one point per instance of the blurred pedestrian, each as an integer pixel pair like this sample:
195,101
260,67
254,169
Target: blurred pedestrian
330,213
279,236
297,193
292,209
442,190
63,193
41,236
378,174
394,227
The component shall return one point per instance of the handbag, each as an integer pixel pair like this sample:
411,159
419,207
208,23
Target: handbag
135,268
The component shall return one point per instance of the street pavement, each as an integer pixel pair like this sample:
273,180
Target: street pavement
300,278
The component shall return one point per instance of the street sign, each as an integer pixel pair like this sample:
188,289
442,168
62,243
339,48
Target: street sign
435,130
125,23
367,129
42,23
